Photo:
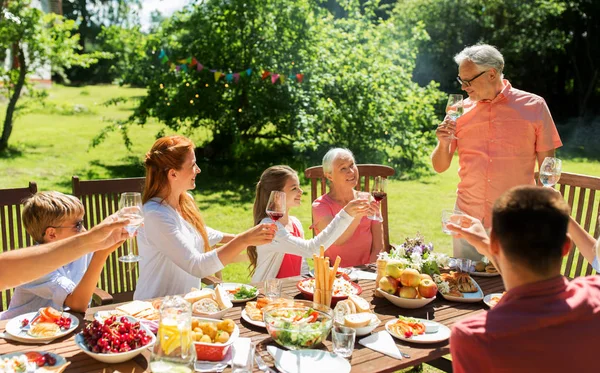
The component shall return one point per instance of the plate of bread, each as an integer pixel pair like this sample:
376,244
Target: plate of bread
355,312
209,303
483,269
458,287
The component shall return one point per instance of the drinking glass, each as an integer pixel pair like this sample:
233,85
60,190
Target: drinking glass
343,340
276,205
130,207
464,265
454,109
450,216
243,359
550,171
273,288
378,193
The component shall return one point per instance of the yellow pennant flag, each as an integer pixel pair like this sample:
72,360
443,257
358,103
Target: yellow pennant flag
217,76
282,78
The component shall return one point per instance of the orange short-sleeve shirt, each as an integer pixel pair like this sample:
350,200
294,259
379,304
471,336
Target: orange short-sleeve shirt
497,145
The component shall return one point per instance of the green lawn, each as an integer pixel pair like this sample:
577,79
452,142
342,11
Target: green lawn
49,148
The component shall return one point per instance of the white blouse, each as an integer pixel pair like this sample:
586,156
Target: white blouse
271,255
173,253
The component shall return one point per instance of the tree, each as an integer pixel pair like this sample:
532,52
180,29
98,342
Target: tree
34,39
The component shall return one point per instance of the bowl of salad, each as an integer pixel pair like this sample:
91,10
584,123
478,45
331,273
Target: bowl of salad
298,324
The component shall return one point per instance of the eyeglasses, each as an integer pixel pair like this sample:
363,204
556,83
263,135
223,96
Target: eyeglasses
466,82
78,226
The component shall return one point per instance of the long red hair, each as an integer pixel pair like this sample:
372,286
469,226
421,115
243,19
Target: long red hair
168,153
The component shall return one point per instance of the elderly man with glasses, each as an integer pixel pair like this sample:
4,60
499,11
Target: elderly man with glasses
499,137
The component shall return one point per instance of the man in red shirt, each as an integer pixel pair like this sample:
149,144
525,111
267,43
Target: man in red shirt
544,322
499,137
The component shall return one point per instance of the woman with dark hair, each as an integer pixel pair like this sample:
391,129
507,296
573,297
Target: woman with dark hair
174,243
283,257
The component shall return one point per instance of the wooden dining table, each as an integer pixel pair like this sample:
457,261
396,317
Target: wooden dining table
363,359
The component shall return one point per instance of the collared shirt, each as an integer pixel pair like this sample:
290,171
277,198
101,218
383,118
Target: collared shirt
48,291
497,145
174,258
547,326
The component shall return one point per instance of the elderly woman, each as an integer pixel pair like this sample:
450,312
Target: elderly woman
363,239
174,242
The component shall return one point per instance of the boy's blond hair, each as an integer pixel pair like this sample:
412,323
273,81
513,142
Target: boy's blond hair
46,209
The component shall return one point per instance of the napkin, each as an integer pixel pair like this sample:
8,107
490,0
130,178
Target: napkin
364,275
382,342
241,349
213,366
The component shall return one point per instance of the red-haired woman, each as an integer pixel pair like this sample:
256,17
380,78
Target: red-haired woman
174,242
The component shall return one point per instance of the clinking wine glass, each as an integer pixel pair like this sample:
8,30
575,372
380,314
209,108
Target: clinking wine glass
276,205
379,193
550,171
454,109
130,207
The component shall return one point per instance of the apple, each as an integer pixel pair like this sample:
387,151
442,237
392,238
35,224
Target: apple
424,276
394,269
408,292
388,284
410,277
427,288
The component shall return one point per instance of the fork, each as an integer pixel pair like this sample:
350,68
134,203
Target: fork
262,365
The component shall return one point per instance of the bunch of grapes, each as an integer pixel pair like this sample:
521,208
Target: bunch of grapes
114,336
64,322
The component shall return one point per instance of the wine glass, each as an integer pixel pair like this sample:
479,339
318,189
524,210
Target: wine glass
550,171
130,207
276,205
454,109
379,193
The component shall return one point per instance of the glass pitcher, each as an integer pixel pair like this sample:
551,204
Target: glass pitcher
174,351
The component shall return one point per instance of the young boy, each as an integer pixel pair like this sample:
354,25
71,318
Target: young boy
49,217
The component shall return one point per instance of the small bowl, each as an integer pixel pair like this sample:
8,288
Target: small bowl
431,327
365,330
214,351
296,337
216,315
116,357
404,302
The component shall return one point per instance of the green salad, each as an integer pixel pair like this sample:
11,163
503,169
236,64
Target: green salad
297,328
244,292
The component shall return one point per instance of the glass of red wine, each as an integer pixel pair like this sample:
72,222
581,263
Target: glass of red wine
379,193
276,205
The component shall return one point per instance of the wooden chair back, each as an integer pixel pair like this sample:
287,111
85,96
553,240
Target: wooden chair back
580,193
100,199
367,172
12,230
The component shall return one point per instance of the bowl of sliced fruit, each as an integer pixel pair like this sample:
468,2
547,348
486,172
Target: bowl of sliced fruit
126,339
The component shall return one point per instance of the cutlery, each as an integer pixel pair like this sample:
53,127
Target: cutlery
28,326
262,365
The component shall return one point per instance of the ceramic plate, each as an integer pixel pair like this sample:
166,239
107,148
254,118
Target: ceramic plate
13,327
404,302
441,335
467,297
60,361
308,361
484,274
488,299
232,286
253,322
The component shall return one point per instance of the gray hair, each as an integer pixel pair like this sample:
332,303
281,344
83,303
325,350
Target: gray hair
331,156
483,55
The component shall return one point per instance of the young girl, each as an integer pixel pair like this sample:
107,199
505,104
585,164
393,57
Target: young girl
283,257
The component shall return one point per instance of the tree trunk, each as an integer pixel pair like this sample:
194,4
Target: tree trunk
12,104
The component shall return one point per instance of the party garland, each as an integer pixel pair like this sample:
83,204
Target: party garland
191,63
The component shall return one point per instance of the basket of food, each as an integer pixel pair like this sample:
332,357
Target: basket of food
213,338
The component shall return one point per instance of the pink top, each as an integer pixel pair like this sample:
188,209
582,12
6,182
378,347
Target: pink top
497,145
357,249
292,264
548,326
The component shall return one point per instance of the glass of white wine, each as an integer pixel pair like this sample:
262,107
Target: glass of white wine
130,207
454,109
550,171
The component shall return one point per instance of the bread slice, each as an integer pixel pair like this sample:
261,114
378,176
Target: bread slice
361,304
222,298
343,308
196,295
135,307
358,320
205,306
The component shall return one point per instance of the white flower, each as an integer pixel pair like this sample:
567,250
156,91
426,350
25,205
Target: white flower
443,286
383,256
441,259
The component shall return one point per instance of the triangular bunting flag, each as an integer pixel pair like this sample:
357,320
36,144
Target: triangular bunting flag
236,77
171,66
213,70
242,73
249,72
299,77
217,76
265,74
274,78
229,78
182,61
177,68
164,60
199,67
161,54
189,60
184,68
282,78
194,61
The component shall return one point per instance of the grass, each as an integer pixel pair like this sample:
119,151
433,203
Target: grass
50,145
